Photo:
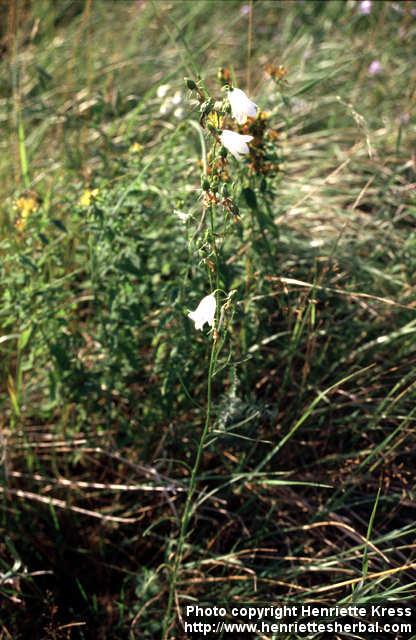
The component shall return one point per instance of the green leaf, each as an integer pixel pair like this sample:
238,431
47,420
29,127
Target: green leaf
24,338
250,198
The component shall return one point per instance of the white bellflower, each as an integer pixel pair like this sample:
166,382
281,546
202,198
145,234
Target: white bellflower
236,143
241,106
205,312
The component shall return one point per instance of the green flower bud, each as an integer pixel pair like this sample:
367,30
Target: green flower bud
205,183
190,84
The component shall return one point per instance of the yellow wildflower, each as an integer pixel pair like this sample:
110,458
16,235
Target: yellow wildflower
136,147
25,205
263,115
87,197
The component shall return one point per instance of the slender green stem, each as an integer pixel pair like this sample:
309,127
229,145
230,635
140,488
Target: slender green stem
187,512
216,252
216,346
24,165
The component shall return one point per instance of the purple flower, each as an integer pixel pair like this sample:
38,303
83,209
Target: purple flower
245,10
375,68
365,7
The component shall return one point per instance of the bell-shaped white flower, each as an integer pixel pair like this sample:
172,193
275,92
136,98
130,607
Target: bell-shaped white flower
236,143
205,312
241,105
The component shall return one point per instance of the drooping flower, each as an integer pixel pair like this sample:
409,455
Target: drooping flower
205,312
241,105
236,143
364,7
375,68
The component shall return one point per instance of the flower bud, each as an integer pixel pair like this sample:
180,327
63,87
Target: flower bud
191,84
214,184
224,76
205,184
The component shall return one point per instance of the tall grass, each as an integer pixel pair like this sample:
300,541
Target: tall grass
123,497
